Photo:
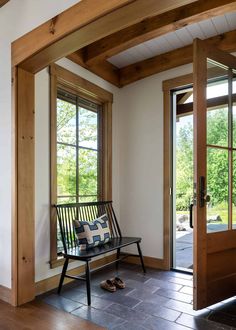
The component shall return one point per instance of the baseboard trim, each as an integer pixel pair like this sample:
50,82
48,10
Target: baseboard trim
148,261
52,282
5,294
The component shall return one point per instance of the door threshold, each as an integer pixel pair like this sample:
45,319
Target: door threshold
182,270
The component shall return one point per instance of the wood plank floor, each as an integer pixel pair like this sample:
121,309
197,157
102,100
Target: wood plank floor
38,315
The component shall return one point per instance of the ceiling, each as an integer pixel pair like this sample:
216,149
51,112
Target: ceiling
158,42
177,39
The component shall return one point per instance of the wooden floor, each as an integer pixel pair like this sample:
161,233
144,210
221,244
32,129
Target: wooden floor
38,315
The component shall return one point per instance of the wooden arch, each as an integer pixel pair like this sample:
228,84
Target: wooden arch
64,34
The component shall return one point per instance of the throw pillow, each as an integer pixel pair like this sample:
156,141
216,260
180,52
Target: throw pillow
92,233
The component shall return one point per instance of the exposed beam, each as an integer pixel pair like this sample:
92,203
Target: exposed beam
173,59
156,26
82,36
155,65
104,69
3,2
186,108
62,25
181,99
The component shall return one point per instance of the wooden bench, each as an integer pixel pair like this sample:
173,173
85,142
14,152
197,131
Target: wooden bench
66,213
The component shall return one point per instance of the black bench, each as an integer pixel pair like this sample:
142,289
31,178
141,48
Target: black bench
66,213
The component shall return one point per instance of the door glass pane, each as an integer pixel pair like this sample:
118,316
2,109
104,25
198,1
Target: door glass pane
217,188
88,128
66,122
217,126
217,104
66,170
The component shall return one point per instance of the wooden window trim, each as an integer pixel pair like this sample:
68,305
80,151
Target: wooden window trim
60,77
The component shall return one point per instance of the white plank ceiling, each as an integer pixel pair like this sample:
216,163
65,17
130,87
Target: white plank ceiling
174,40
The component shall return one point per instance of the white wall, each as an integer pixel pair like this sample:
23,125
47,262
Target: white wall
16,18
141,160
42,193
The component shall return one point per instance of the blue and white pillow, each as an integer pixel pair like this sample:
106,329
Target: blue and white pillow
92,233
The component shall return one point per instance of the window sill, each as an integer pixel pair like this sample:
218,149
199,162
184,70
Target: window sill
58,262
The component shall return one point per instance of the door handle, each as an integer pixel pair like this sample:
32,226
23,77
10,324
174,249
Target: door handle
204,198
191,215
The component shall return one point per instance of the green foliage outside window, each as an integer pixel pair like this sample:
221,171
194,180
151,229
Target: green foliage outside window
217,161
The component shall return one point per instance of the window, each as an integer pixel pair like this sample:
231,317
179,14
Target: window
78,153
80,144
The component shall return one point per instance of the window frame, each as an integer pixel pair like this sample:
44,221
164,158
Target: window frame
72,83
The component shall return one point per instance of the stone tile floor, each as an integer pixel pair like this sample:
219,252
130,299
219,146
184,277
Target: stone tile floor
158,300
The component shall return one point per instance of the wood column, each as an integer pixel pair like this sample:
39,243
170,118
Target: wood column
25,184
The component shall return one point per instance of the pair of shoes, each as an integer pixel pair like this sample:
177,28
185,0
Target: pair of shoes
108,285
118,282
112,284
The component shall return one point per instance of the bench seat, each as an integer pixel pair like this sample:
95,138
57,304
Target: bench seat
114,244
66,214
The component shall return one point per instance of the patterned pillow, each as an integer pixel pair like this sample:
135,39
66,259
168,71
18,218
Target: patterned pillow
92,233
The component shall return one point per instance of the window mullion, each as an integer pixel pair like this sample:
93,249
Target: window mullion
230,143
77,150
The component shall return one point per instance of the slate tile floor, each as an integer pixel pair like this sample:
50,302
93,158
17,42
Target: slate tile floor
158,300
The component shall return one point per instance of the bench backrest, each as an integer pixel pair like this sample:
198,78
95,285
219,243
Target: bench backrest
66,213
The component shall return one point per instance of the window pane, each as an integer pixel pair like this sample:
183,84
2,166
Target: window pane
85,199
234,109
59,239
66,170
66,122
217,127
234,191
88,172
66,200
217,188
88,128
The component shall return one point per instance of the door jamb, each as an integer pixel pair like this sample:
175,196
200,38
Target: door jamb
167,86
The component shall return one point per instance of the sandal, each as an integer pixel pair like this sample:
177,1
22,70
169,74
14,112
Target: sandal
118,282
108,285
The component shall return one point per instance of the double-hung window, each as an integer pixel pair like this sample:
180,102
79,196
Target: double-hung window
81,144
79,153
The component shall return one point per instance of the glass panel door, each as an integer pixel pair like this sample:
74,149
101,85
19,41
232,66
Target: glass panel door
214,175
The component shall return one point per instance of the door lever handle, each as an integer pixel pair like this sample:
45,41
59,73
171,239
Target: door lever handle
191,215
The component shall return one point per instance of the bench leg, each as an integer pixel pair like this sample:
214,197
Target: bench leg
63,273
88,283
141,257
117,257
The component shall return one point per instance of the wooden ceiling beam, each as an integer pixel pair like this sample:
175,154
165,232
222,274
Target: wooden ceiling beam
3,2
114,21
104,69
156,64
173,59
156,26
214,103
61,26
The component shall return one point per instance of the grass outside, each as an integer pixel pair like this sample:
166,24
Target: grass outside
221,210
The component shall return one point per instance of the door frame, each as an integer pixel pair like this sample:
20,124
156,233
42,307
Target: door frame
167,87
